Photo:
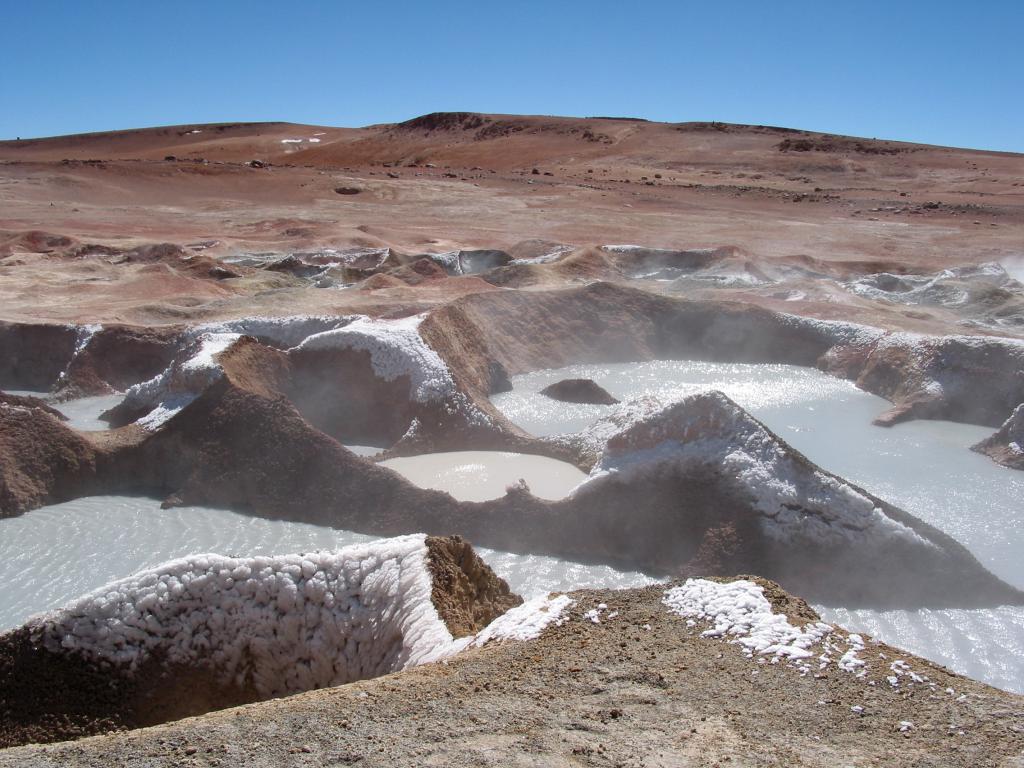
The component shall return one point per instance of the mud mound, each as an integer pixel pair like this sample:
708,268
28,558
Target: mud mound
338,392
973,379
54,697
579,391
117,357
1007,445
381,282
469,262
443,121
25,401
697,484
693,485
419,271
41,460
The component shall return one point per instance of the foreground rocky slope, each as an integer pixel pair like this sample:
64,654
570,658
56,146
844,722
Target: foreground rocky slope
625,680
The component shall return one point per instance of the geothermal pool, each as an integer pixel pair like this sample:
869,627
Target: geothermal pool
924,467
53,555
482,475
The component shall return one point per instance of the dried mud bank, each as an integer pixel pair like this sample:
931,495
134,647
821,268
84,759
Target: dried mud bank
208,632
651,672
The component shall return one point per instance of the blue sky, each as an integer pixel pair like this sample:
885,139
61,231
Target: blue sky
938,72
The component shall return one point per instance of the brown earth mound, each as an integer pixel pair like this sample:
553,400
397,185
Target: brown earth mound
639,682
116,357
243,444
41,460
579,391
237,447
34,356
968,379
27,401
1006,446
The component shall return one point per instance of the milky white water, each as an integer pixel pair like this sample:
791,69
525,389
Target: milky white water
924,467
482,475
83,413
54,554
365,450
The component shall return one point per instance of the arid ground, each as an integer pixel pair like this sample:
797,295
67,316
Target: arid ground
265,295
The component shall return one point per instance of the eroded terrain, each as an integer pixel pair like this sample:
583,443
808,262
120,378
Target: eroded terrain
320,326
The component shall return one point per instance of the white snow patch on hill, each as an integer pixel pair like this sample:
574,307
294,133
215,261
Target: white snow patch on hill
396,349
181,382
739,612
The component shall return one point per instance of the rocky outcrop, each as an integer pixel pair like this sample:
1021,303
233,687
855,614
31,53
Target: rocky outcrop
208,631
579,391
467,593
1006,446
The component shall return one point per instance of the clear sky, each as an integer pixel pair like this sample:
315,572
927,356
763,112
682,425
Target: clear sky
939,72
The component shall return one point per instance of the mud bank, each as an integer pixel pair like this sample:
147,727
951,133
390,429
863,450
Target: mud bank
42,460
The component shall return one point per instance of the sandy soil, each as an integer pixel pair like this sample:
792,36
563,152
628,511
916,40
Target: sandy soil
468,181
